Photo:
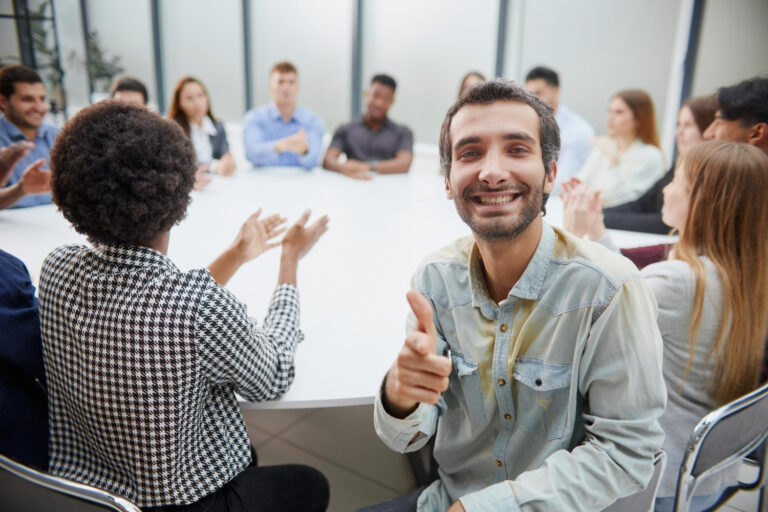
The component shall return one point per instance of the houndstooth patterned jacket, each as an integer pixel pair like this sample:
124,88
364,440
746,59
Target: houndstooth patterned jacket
143,362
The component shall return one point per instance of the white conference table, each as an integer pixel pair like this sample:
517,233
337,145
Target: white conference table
352,284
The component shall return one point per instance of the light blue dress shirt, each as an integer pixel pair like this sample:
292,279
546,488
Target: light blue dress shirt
555,392
576,136
263,126
46,135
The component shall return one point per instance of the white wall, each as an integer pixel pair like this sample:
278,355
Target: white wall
428,46
733,45
205,39
125,29
598,47
316,36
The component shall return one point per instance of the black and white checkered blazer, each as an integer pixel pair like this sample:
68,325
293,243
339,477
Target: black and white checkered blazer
143,362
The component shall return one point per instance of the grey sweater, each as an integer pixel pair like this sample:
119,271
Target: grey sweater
674,285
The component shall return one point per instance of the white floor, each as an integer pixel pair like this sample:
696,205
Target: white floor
342,444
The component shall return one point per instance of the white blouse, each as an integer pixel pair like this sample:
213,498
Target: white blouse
201,140
638,169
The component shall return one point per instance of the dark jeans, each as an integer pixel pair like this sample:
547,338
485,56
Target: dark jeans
282,488
405,503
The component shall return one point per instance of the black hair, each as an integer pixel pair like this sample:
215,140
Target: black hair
385,80
746,101
549,75
127,83
122,174
9,75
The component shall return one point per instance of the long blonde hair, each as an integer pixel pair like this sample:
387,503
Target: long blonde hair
728,222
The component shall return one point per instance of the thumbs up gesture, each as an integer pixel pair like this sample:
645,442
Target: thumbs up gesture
418,374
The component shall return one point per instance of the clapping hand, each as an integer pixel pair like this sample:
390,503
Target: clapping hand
10,156
35,180
582,210
300,239
255,235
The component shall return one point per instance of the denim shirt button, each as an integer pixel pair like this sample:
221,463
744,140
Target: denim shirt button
503,328
507,416
498,462
538,382
501,381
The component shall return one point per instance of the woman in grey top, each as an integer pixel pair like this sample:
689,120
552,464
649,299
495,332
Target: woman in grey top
712,290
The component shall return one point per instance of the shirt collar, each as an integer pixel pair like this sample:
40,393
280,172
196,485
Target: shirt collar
274,113
527,287
13,133
207,126
132,256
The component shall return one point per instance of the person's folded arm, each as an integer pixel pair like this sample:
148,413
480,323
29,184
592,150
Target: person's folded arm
620,377
400,164
11,195
258,150
314,143
258,362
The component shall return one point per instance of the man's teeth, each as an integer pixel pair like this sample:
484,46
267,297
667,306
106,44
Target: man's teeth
496,200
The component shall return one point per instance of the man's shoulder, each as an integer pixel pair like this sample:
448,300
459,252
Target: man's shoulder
400,127
452,258
307,117
590,259
257,114
49,130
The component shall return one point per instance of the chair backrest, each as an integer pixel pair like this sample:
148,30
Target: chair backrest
723,437
643,501
25,489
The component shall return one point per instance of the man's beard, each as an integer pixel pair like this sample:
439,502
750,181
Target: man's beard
503,227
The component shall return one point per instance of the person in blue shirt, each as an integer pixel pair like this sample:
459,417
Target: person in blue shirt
23,103
24,406
281,133
576,133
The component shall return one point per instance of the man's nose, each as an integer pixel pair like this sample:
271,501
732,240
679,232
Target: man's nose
493,171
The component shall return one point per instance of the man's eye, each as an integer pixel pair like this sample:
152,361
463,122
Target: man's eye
519,149
468,154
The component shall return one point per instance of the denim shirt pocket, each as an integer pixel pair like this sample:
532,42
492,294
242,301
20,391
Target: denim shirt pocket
542,392
466,383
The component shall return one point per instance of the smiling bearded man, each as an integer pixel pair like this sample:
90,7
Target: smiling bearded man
533,356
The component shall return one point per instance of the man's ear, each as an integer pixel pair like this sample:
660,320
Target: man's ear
448,191
3,103
549,178
758,134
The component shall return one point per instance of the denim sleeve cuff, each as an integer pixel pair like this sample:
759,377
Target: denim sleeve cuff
494,497
408,434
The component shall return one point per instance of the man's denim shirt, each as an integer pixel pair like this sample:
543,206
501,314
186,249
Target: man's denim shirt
555,392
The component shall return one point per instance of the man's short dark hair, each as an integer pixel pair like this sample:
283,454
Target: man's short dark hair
284,67
122,174
549,75
746,101
500,89
127,83
384,80
9,75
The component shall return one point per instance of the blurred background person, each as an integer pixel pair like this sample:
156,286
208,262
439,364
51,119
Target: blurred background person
130,90
470,79
576,133
644,214
191,109
626,162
